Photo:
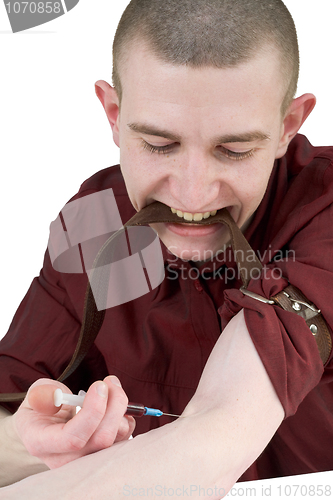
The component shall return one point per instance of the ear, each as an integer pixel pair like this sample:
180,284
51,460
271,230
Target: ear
110,102
295,116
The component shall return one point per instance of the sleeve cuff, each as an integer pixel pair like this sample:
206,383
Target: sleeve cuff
282,339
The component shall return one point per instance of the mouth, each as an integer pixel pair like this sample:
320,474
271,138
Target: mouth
158,212
196,217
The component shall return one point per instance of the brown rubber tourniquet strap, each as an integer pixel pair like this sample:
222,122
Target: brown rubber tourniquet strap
293,300
248,264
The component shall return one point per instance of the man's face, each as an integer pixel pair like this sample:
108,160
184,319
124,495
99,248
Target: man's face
197,140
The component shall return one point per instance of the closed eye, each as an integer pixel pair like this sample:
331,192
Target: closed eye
158,149
233,155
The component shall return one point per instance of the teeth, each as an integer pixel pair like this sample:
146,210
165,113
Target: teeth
188,216
196,217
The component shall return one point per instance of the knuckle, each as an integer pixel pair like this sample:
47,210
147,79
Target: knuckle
75,443
121,398
125,430
96,414
104,439
131,424
122,435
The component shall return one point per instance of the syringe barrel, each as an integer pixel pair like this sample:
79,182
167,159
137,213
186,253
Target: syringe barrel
135,409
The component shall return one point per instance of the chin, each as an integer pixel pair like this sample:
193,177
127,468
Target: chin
191,247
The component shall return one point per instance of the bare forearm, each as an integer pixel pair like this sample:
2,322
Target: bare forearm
164,459
175,458
15,462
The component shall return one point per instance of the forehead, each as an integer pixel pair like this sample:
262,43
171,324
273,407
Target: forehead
151,86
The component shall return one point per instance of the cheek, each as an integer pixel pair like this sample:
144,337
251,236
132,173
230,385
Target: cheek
252,188
139,178
254,191
144,174
131,166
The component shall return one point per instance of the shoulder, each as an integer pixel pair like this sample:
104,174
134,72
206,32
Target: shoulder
300,188
307,172
107,178
304,161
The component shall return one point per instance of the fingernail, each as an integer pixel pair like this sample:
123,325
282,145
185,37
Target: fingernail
102,389
115,380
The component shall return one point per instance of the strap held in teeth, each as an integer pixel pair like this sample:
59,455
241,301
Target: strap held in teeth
248,264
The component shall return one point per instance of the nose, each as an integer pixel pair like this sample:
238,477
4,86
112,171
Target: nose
195,183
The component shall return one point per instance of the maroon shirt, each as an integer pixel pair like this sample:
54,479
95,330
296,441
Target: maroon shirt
158,344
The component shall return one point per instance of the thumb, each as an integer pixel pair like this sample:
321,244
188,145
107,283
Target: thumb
40,396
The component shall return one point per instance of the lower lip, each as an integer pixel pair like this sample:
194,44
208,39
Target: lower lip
193,230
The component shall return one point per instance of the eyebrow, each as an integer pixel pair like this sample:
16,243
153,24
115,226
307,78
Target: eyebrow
143,128
225,139
245,137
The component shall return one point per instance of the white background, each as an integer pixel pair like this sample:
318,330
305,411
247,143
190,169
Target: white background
54,133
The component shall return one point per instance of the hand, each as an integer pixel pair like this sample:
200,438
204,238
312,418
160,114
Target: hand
59,435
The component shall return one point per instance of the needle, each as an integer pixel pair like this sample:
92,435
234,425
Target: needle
134,409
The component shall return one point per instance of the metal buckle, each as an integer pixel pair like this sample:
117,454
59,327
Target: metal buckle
297,302
296,305
256,296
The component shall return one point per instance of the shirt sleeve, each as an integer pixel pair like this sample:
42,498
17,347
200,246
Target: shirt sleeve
283,340
43,335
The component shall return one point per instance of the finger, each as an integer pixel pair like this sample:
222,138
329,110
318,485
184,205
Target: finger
114,416
77,431
126,428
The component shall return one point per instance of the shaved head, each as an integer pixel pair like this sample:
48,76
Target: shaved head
217,33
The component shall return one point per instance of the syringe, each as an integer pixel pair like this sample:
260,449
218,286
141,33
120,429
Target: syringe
134,409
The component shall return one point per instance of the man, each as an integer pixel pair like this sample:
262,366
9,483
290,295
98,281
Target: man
202,107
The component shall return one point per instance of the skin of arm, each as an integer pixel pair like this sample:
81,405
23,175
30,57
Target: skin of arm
227,424
15,461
